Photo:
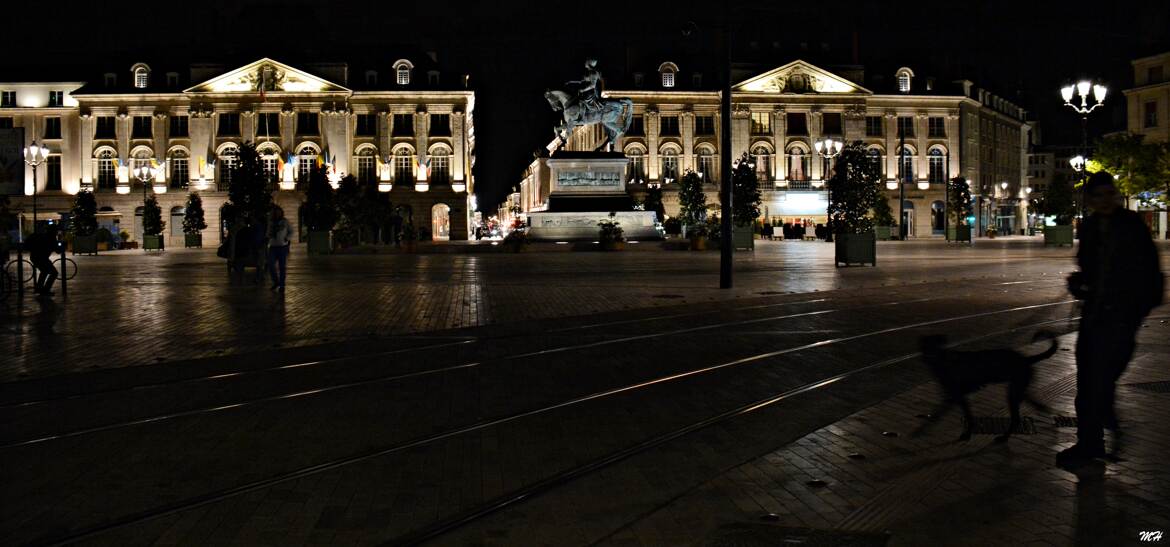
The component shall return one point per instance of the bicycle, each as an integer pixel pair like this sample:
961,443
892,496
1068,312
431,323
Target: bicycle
10,277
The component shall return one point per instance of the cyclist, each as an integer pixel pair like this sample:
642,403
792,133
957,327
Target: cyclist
40,249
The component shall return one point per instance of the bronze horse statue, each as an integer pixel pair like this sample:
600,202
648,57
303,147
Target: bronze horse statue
614,115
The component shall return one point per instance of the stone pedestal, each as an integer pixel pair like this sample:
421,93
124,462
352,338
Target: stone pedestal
585,188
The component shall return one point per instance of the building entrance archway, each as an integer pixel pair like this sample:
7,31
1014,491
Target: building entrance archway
441,222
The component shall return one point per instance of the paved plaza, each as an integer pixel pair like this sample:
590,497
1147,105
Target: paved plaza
558,398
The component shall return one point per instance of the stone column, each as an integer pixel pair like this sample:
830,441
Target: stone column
85,149
891,123
815,125
921,131
420,136
288,130
954,145
122,132
687,119
458,142
650,122
202,153
779,138
248,126
336,136
741,132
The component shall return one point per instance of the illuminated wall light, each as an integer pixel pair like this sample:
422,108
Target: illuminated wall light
385,186
923,185
123,189
421,187
458,186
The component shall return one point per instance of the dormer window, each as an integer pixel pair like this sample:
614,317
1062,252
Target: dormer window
433,77
668,71
371,78
696,80
402,69
903,76
111,79
141,75
638,80
172,79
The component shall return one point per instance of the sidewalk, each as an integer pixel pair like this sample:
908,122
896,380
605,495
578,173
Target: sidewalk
866,480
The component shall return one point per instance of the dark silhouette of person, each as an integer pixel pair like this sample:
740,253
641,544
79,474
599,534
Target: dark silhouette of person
279,238
40,249
1120,282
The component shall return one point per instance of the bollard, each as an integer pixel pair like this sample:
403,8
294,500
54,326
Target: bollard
64,280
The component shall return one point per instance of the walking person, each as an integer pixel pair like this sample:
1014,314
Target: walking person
279,237
1120,282
40,249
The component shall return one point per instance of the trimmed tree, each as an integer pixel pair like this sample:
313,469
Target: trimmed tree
249,194
320,208
745,191
854,190
692,202
152,222
193,218
653,202
960,200
882,214
84,218
1058,202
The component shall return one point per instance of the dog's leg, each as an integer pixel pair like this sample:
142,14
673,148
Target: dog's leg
1016,396
967,419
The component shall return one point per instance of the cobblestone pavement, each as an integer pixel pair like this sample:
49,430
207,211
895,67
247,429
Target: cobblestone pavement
580,418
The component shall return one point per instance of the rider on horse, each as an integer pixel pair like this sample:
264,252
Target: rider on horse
589,92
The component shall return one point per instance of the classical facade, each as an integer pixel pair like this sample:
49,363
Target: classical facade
400,125
1148,109
916,133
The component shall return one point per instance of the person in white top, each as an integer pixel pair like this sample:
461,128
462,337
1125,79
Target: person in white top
279,237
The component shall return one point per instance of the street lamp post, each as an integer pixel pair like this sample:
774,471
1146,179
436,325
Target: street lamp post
145,174
1082,91
34,155
829,149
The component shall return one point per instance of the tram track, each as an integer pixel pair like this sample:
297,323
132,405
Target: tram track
338,463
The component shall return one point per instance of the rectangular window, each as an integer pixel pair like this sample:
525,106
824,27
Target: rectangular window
797,124
873,126
637,168
669,126
637,127
6,123
56,98
229,125
761,123
403,125
704,125
269,168
53,127
936,128
268,124
668,79
142,128
7,98
307,123
105,128
403,167
1151,116
107,172
178,127
669,167
179,173
906,126
831,124
367,125
441,169
53,173
366,168
440,125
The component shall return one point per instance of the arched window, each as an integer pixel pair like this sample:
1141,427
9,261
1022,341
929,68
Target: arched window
875,157
141,75
307,156
904,75
636,169
440,158
668,71
366,163
107,169
441,222
762,157
269,162
402,69
669,160
141,156
226,165
798,164
176,223
707,165
906,164
403,165
936,170
177,163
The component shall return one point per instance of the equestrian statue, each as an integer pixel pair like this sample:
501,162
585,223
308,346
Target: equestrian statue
585,106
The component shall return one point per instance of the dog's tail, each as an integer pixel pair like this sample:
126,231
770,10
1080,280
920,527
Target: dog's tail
1046,353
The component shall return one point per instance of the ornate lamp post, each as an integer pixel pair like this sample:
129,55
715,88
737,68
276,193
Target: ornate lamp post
829,149
1082,90
35,155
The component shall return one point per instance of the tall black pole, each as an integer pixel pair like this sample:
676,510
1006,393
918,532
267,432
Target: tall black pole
902,183
725,246
947,200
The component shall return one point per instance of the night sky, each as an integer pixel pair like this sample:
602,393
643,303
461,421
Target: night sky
515,50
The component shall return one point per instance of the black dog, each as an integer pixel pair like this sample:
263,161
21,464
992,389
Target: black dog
960,373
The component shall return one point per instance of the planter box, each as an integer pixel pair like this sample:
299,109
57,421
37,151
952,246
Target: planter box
743,238
699,243
883,233
320,243
959,233
193,240
86,245
152,243
103,246
855,249
1058,235
613,245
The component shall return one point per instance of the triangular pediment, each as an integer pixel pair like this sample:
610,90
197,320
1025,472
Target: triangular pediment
267,75
799,77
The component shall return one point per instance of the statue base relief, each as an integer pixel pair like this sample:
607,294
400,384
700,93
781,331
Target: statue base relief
585,188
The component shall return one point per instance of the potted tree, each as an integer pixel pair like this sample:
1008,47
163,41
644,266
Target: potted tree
960,209
692,204
745,203
105,238
320,212
83,224
1058,203
193,222
883,218
610,233
152,225
854,189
